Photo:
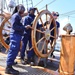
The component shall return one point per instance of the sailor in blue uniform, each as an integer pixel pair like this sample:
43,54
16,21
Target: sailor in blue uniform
27,35
16,34
55,16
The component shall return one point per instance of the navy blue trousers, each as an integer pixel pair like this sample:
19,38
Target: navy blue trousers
15,40
26,39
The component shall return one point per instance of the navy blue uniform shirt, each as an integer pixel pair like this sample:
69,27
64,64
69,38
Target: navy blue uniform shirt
16,23
52,32
57,26
28,21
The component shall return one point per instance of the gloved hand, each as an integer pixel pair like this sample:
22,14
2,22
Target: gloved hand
27,27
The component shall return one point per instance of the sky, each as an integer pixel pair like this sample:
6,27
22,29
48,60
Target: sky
66,9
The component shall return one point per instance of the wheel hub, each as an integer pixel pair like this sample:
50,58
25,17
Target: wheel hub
47,34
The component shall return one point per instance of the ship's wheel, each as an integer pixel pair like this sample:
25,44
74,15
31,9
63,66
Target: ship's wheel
43,39
4,29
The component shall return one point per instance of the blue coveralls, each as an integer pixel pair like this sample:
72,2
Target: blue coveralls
16,33
27,37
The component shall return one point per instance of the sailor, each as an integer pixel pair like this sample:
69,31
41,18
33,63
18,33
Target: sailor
16,34
55,16
27,36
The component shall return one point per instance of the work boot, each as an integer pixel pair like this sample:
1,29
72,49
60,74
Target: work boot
23,62
15,63
10,70
41,63
29,60
32,61
32,64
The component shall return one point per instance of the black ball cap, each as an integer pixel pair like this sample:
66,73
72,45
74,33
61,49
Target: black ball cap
31,8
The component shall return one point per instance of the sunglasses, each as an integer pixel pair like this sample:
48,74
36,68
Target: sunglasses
55,15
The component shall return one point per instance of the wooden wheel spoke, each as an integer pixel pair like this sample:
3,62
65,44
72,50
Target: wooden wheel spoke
50,21
6,37
42,47
37,43
31,48
52,29
46,21
6,30
42,23
39,31
40,40
52,36
41,19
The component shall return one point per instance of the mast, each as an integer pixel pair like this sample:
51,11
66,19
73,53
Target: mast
1,6
4,4
29,3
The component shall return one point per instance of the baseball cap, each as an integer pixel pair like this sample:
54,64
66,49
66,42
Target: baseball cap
31,8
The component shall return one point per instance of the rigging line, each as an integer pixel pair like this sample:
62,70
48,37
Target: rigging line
51,2
68,12
48,4
38,3
69,16
66,16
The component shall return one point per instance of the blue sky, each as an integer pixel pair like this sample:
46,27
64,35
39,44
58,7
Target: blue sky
61,6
